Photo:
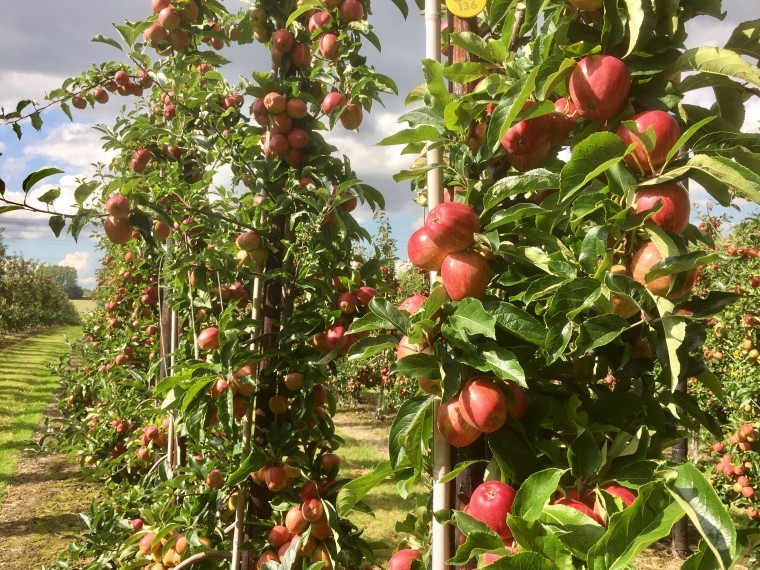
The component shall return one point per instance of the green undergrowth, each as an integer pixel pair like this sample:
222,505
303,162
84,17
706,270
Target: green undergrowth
26,389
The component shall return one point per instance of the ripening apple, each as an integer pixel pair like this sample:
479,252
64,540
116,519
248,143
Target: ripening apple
483,405
402,560
675,211
563,120
490,503
301,55
642,262
329,46
296,108
452,226
452,425
332,101
528,142
666,132
412,304
351,11
622,306
283,40
318,20
208,339
466,274
117,206
351,117
118,230
423,253
587,5
599,87
169,19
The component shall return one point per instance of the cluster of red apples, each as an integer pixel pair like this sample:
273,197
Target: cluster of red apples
171,30
481,406
443,245
349,303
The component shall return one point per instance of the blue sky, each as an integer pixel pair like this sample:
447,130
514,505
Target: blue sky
38,53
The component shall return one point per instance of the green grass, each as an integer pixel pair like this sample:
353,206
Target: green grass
84,305
360,455
26,389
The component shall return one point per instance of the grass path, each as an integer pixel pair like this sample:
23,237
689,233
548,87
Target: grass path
26,389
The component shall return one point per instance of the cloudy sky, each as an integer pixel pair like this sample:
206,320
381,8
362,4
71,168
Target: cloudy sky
40,52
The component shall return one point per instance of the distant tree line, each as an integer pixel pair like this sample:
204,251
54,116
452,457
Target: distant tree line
34,295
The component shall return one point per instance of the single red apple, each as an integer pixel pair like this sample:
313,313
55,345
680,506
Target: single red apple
318,20
402,560
452,226
666,132
283,40
332,101
423,253
483,405
465,274
642,262
118,206
413,303
452,425
351,11
599,87
329,46
208,339
118,230
351,117
675,211
490,503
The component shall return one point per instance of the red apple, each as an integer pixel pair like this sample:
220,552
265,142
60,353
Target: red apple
301,55
675,211
312,510
208,339
296,108
405,348
275,102
580,506
283,40
169,19
347,303
118,206
452,425
490,503
365,294
248,240
452,226
563,120
351,117
214,480
413,303
643,261
402,560
529,135
625,495
599,87
336,337
329,46
465,274
483,405
351,11
117,230
423,253
331,101
666,131
516,400
189,12
318,20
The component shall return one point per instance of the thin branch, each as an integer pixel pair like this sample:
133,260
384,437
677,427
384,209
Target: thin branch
519,20
209,554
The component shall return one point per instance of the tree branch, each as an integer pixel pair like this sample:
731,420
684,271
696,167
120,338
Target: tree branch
207,555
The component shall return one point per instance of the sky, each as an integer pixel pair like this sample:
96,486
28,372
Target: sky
40,52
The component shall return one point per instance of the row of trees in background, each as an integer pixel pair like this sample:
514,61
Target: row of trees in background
31,295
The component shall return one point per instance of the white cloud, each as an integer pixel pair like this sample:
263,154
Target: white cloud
79,260
75,144
20,85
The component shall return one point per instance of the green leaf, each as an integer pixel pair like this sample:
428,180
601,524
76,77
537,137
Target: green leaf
515,213
405,437
593,248
702,505
459,468
590,158
389,313
370,346
108,41
255,461
720,61
536,537
35,177
417,366
57,223
584,455
638,10
741,179
508,108
84,191
518,322
353,491
533,181
401,5
436,85
523,561
625,286
745,39
50,196
535,492
600,330
647,520
503,363
423,133
472,318
579,532
473,43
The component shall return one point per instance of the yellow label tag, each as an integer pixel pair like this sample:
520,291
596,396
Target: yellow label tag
466,8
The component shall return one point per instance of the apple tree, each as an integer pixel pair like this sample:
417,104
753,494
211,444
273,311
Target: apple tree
554,348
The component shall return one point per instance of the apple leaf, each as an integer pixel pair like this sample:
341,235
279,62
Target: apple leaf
535,537
523,561
600,330
717,60
472,318
353,491
476,543
417,366
390,315
423,133
439,92
702,505
57,223
535,492
639,15
492,358
35,177
370,346
647,520
518,322
108,41
255,461
590,158
508,108
745,39
578,531
533,181
625,286
472,43
406,434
